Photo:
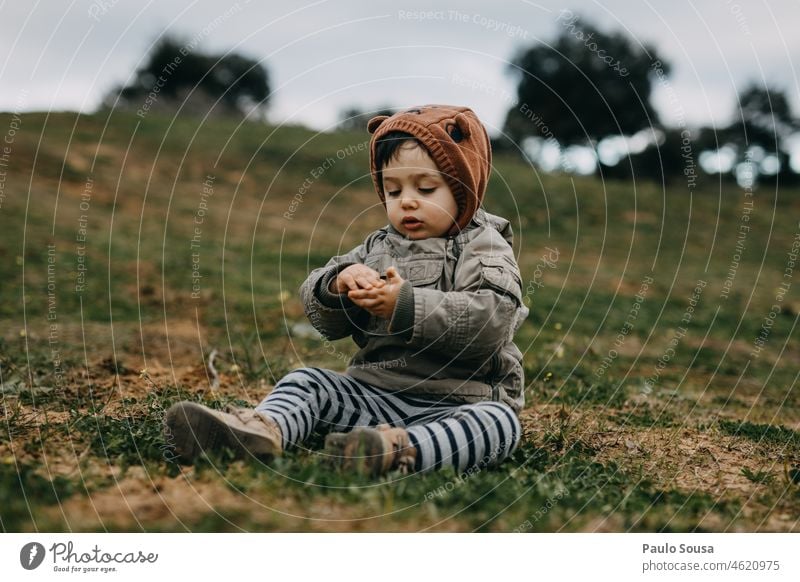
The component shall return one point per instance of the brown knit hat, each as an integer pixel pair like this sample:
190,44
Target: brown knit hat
455,139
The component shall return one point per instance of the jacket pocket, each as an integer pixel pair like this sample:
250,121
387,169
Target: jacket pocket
422,271
501,275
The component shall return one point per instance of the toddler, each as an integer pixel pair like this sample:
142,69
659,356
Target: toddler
433,301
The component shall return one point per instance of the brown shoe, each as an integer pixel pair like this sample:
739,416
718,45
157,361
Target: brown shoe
372,451
192,428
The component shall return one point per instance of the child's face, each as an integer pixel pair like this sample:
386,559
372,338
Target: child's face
419,202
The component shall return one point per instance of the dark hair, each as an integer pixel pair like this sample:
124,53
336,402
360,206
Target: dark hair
386,149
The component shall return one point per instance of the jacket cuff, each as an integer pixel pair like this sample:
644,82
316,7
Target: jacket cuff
402,322
326,296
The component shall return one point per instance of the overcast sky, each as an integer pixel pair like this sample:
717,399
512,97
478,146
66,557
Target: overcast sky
324,56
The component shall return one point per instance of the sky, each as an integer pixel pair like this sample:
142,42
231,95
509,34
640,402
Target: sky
325,56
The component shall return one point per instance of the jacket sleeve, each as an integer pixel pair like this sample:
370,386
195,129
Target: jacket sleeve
481,314
333,315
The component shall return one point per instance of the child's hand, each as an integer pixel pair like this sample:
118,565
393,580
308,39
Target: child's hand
379,301
355,277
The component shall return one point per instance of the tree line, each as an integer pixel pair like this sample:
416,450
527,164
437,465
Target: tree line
587,88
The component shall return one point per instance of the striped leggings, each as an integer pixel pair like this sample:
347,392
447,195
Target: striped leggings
444,433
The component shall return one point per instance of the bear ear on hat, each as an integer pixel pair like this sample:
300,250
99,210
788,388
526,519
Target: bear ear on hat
464,125
375,122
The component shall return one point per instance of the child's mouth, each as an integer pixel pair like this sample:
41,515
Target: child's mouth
412,223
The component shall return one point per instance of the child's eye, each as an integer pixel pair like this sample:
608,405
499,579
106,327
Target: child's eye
427,190
392,192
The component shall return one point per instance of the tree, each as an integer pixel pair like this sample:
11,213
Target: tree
753,148
760,130
175,76
586,86
765,114
355,118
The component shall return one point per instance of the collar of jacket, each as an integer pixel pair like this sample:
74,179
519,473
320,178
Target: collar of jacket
481,219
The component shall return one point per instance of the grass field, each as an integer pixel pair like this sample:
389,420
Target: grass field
661,355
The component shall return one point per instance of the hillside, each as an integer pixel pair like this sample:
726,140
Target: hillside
660,354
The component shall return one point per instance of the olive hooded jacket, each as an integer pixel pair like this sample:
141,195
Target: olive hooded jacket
451,333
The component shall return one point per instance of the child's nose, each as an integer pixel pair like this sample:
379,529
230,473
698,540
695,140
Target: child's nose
408,201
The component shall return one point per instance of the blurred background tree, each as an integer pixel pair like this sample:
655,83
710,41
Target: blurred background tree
356,118
231,84
591,90
585,86
754,148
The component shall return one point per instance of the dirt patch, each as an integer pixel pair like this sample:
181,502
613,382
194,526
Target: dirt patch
683,458
143,502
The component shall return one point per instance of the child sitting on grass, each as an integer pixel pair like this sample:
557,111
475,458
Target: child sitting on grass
433,299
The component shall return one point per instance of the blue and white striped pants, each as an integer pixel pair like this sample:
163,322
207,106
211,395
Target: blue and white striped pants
445,433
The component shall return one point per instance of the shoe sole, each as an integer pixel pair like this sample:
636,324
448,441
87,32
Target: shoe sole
192,429
359,451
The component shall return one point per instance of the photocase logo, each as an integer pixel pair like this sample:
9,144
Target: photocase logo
31,555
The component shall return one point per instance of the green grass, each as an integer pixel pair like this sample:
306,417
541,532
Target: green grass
83,442
761,433
23,489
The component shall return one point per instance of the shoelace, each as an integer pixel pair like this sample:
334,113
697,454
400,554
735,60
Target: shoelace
244,414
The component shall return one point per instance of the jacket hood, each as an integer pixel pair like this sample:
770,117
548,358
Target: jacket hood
500,224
